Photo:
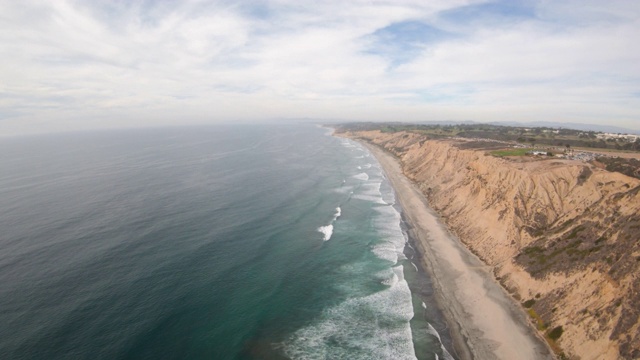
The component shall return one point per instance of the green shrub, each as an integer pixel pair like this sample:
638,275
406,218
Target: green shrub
533,249
555,333
529,303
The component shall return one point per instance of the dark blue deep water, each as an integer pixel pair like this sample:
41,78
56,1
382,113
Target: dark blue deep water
221,242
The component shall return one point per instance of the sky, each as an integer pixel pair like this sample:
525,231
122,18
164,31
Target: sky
78,65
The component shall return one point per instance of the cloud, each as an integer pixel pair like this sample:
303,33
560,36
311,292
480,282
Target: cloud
401,42
491,13
69,65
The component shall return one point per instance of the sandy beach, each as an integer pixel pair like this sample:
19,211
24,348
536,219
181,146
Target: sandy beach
485,321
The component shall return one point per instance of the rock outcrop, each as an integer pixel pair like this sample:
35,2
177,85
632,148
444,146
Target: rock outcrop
563,237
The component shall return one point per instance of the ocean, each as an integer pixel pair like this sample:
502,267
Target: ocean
211,242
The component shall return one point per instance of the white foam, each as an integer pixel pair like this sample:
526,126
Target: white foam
343,189
431,330
327,231
372,188
365,326
387,194
362,176
387,224
370,191
390,281
369,327
386,252
348,144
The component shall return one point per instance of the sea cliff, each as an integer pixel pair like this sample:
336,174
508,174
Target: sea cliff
560,235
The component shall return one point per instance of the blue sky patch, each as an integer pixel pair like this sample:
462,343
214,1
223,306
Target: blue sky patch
400,42
495,12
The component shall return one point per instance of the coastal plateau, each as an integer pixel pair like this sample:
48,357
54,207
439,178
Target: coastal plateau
561,236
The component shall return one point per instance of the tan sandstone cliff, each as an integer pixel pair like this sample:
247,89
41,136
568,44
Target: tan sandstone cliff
562,236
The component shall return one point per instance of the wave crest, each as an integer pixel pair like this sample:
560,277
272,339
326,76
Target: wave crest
327,230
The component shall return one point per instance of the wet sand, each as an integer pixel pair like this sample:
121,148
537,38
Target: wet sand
485,322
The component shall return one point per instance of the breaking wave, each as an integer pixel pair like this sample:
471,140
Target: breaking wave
369,327
327,230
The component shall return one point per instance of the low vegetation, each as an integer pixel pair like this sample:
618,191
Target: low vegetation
555,333
511,152
544,136
629,167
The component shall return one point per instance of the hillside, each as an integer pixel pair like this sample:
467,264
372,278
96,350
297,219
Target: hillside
560,235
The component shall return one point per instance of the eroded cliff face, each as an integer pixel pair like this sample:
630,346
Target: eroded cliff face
562,236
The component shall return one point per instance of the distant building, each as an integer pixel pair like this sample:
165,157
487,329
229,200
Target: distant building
625,137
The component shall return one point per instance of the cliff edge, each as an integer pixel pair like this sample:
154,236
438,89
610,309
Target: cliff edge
561,236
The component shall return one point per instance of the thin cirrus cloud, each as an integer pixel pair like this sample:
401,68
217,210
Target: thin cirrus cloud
490,13
69,65
401,42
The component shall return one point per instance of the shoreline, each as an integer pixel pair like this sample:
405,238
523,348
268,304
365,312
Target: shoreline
485,322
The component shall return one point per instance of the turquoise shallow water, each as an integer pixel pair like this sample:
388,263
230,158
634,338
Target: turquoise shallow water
222,242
